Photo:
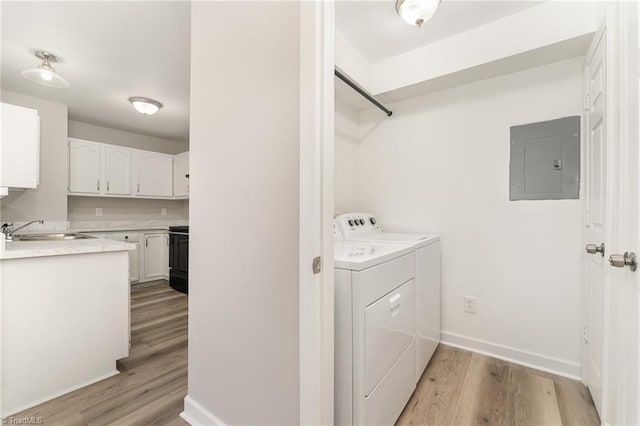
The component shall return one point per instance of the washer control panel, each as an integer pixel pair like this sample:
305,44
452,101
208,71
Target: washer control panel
350,225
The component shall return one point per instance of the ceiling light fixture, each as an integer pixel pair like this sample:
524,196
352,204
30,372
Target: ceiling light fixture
45,74
416,12
145,105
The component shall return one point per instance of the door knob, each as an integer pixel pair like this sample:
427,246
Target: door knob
622,260
593,249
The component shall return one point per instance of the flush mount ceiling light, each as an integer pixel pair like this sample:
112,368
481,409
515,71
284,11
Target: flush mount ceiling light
416,12
145,105
45,74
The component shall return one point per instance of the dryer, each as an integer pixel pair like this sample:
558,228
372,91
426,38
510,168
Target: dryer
374,331
365,227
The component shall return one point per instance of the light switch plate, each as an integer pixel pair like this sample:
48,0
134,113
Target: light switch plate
98,211
163,211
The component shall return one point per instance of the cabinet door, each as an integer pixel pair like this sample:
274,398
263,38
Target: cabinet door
153,174
165,256
134,263
180,173
117,170
154,247
84,167
20,147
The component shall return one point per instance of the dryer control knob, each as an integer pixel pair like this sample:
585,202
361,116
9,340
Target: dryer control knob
350,222
372,220
361,221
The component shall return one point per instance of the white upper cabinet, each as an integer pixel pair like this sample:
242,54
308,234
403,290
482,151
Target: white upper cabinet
19,147
117,169
181,175
98,169
84,167
152,174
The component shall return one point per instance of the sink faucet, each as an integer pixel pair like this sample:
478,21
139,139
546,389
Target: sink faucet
8,231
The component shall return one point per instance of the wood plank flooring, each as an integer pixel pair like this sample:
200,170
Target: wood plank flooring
458,387
464,388
153,382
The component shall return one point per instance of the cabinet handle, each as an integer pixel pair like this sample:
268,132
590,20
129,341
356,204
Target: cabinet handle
146,242
107,186
98,182
138,188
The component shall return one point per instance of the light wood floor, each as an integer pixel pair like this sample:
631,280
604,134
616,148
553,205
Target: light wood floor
458,387
464,388
153,380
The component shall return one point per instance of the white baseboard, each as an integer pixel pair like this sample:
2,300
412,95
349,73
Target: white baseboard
196,415
560,367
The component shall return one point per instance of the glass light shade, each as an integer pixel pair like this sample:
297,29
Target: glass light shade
145,105
417,12
46,76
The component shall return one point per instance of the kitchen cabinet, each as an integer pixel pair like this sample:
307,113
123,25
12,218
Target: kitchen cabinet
84,167
165,256
154,256
134,255
19,147
102,170
153,174
117,170
181,175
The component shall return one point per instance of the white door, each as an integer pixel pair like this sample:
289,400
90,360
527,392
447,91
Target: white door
117,170
595,217
153,174
180,175
84,167
154,248
622,375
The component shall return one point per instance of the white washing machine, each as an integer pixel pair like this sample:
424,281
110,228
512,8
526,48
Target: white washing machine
375,325
364,227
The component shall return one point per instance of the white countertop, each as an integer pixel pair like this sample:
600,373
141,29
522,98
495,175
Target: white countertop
25,249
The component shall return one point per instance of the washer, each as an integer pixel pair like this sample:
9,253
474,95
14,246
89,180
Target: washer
375,325
365,227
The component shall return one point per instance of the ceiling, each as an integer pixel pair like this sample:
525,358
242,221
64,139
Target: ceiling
374,28
111,51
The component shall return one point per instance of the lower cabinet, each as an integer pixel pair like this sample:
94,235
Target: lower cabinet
150,259
156,259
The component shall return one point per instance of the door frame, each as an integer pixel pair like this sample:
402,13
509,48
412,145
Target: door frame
622,347
316,333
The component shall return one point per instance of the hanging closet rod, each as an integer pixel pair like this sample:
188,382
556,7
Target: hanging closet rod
355,86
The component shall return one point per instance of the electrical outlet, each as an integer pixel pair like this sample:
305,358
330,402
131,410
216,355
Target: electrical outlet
163,211
470,304
98,211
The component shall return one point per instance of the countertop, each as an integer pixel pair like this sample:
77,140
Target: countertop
26,249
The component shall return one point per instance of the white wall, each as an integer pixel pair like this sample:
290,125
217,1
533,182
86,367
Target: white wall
441,164
244,213
108,135
347,191
49,200
84,209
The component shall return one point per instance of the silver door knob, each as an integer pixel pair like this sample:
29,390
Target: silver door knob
593,249
622,260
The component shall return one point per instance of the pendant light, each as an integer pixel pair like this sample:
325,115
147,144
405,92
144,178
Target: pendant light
144,105
45,74
416,12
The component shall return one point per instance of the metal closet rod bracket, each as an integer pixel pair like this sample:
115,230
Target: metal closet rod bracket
355,86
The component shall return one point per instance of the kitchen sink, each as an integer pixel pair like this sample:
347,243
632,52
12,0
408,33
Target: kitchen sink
51,237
